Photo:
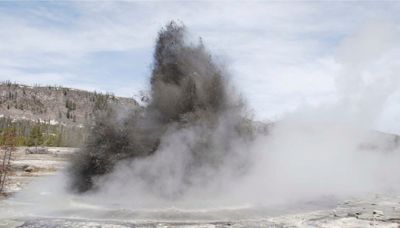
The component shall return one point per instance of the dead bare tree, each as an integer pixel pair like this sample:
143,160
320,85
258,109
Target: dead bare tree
9,146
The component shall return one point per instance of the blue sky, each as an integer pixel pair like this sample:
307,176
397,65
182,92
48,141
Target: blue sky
281,55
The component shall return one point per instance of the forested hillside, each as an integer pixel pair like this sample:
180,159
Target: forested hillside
51,115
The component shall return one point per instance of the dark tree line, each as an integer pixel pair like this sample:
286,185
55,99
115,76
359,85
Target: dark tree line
29,133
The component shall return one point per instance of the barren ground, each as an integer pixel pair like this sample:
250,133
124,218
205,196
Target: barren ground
28,163
372,211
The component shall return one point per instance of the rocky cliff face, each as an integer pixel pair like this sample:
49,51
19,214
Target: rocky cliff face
54,105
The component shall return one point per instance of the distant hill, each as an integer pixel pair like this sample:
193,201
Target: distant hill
54,104
51,115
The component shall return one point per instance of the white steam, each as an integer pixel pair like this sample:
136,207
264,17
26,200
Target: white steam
333,150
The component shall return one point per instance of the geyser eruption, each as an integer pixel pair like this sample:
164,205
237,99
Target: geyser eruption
191,153
186,136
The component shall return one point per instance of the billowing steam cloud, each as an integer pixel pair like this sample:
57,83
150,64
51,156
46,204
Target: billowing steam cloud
184,136
194,141
192,147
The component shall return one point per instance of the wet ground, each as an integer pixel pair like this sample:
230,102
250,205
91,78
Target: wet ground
30,209
372,211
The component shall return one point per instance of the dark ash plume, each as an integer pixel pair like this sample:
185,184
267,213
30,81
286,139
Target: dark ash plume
189,92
